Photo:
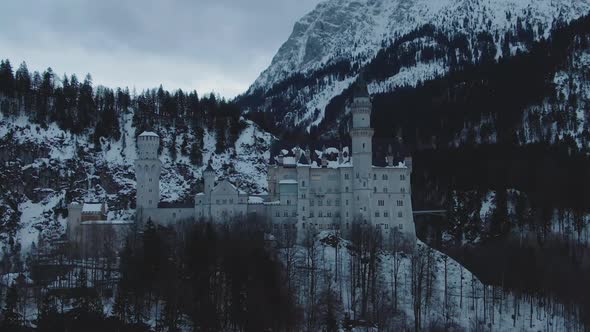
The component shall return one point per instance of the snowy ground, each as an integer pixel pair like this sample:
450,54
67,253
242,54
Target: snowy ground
464,306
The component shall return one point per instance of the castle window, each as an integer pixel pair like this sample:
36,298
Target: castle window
294,214
150,179
345,176
150,190
386,214
402,177
303,208
320,214
347,225
311,214
400,214
386,226
329,202
364,184
278,214
400,203
374,176
303,225
384,176
303,196
311,202
303,218
337,202
285,214
401,226
357,175
384,189
303,183
381,202
346,202
174,215
403,190
377,214
288,202
329,214
363,145
320,202
375,190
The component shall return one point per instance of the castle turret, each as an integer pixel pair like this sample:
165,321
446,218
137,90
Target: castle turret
390,156
74,221
362,149
209,181
147,171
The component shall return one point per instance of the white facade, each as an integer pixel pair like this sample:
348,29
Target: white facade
303,193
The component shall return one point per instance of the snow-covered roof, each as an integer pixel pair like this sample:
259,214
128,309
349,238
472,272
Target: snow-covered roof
148,134
288,182
272,203
201,194
255,200
107,222
289,161
92,207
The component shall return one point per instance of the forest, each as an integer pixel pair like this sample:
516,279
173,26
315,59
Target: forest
79,107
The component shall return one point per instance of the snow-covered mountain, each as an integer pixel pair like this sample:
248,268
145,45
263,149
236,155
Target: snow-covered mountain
333,43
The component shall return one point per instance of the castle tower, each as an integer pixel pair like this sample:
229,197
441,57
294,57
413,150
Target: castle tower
209,182
362,150
147,171
74,221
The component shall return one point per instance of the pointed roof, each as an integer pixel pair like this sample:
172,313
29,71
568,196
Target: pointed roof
209,167
360,87
303,160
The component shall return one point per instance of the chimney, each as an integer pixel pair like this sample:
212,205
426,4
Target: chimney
389,156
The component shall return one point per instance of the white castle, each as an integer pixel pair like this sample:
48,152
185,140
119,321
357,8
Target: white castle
302,193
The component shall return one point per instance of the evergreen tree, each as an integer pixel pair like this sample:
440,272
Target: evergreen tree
7,83
11,318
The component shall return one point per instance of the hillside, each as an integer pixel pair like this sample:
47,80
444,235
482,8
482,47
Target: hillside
46,166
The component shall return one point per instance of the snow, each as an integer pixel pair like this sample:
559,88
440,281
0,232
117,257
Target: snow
356,30
289,161
107,222
148,134
92,207
288,182
255,200
35,216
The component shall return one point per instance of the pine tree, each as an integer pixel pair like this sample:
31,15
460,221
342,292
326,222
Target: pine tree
11,318
6,78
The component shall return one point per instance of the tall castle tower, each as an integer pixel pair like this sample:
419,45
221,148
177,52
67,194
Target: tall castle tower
147,171
362,150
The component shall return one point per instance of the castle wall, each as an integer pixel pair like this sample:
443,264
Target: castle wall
167,216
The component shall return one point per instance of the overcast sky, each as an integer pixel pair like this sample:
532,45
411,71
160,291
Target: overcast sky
207,45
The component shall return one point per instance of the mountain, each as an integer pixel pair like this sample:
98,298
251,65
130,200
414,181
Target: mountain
340,38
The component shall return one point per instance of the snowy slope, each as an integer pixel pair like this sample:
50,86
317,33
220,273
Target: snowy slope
50,167
458,301
356,30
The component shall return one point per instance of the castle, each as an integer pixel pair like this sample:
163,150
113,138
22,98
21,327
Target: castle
303,193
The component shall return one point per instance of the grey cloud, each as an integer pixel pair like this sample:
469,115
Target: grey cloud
229,40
